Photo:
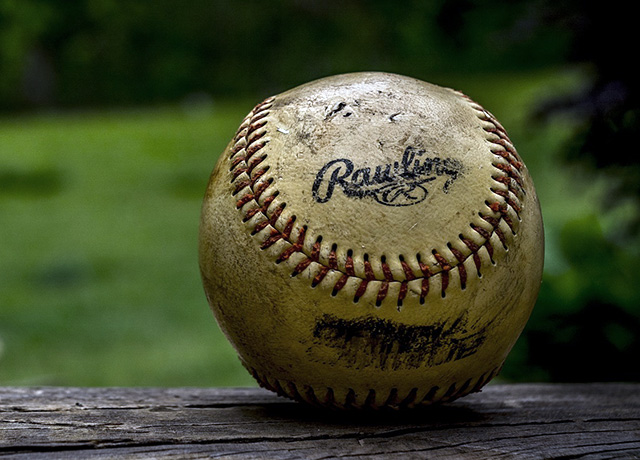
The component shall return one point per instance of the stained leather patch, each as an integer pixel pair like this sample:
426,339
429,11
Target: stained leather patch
385,344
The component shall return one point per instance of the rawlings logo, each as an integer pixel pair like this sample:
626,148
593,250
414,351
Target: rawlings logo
401,183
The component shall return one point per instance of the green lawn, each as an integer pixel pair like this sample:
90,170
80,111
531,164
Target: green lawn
99,211
99,283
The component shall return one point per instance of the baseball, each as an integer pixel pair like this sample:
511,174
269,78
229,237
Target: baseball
370,240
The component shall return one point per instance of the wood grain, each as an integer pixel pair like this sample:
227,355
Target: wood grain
521,421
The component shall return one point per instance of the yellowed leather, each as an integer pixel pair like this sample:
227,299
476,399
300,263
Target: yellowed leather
371,240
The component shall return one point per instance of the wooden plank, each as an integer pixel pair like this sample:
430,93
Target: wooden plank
532,421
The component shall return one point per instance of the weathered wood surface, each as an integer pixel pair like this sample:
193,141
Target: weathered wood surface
537,421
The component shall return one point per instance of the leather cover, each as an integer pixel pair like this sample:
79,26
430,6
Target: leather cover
371,240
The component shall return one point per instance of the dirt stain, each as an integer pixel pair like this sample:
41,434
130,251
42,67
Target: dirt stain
385,344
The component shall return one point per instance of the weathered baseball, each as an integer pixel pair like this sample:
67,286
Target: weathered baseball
371,240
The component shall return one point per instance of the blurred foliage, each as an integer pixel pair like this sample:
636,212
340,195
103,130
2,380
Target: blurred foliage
80,52
608,108
596,301
98,279
591,333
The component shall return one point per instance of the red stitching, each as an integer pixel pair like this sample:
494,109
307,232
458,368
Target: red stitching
237,172
251,164
253,148
386,270
286,233
274,237
341,282
474,248
250,139
382,292
240,186
297,247
315,250
444,275
424,289
261,226
325,396
361,289
244,200
348,265
408,273
461,268
495,223
368,270
260,188
260,115
404,288
302,266
320,276
333,258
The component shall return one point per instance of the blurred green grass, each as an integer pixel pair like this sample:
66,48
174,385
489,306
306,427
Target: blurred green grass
99,212
98,261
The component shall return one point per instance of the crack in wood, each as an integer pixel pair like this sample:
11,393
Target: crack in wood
510,421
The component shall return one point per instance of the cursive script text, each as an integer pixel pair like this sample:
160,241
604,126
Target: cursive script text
401,183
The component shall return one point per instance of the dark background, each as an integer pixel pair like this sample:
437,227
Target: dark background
65,56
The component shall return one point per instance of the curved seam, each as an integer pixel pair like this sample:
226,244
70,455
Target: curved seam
373,400
251,138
